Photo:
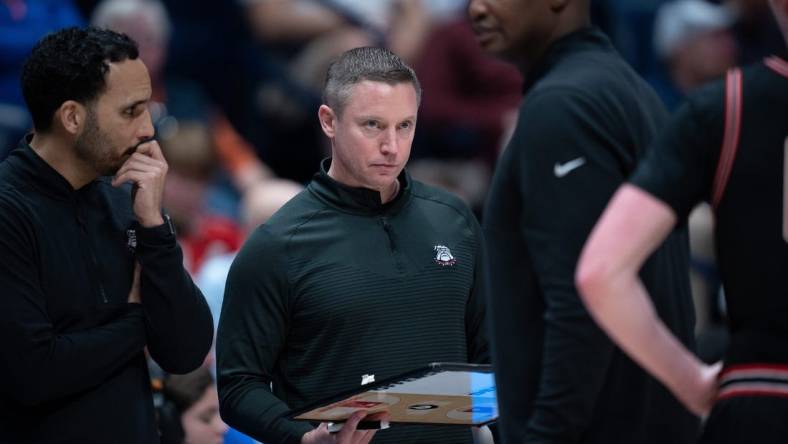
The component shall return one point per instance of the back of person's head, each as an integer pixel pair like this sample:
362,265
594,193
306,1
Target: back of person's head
360,64
70,64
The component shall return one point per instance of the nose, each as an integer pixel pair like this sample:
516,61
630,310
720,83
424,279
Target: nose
477,10
219,426
146,129
389,143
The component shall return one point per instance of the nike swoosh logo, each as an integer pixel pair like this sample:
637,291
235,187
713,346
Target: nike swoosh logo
562,170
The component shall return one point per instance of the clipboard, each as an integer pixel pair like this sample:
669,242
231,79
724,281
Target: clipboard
440,393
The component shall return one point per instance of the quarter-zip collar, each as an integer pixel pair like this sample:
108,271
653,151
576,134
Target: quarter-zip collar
33,170
588,38
355,199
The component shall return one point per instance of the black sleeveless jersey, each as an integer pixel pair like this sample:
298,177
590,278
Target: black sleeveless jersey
732,150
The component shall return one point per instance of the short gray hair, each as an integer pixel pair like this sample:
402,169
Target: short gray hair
367,63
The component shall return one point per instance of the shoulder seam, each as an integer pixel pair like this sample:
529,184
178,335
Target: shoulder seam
464,214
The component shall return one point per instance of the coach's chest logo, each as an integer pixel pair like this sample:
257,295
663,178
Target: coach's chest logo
443,256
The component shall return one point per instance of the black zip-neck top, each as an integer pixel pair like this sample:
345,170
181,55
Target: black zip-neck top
337,285
73,367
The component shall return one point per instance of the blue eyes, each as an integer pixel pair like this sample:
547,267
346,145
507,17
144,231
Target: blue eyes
373,124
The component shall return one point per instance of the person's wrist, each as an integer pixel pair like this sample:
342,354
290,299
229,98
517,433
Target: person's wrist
151,221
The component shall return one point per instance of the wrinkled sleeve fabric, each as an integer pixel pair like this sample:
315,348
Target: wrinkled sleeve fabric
252,334
179,322
570,164
37,363
679,169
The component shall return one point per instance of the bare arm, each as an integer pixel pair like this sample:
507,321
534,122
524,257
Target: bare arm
631,228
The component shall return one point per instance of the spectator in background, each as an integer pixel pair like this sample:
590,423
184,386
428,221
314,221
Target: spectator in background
189,413
694,40
148,23
22,24
584,123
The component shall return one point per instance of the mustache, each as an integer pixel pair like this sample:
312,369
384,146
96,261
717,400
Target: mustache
133,149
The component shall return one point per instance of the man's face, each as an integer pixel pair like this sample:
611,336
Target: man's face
118,120
511,29
371,138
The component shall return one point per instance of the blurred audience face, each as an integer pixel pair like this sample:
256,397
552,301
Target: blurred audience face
201,422
512,28
145,21
372,136
704,58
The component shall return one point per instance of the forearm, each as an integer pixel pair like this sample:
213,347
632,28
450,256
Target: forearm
49,366
180,327
623,309
250,407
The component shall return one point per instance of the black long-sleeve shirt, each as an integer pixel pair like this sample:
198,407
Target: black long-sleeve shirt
336,285
72,366
585,121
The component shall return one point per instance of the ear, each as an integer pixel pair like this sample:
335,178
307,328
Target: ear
328,120
72,116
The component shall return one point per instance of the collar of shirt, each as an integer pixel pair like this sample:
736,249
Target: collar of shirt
355,199
590,38
32,169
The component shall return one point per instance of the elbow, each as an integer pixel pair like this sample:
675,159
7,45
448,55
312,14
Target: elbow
592,279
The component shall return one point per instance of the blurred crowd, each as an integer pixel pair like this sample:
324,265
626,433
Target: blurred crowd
237,87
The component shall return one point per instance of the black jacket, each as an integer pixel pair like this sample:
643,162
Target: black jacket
72,366
584,124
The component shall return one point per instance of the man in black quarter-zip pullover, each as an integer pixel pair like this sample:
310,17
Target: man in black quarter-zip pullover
90,272
584,123
364,272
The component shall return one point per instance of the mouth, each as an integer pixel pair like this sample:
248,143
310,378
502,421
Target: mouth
384,166
485,35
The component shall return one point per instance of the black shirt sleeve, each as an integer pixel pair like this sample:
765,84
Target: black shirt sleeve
39,363
179,323
252,332
569,163
679,168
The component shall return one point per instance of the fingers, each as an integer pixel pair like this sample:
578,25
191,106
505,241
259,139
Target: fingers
151,149
349,429
364,437
135,176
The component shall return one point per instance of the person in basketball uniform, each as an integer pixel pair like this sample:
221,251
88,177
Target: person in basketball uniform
727,144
